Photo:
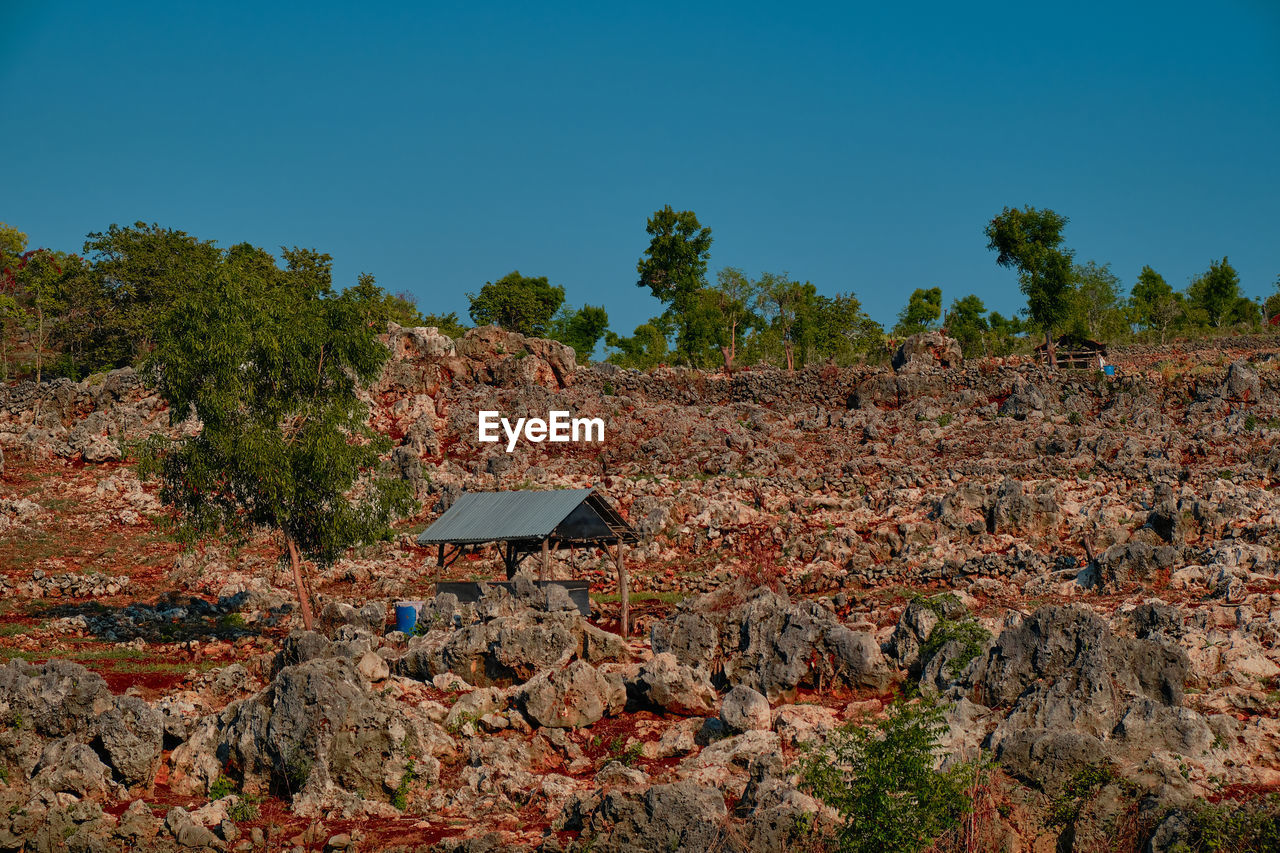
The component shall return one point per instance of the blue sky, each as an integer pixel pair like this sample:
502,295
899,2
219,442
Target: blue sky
858,146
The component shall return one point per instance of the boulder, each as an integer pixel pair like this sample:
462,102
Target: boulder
928,349
770,644
670,685
744,709
677,816
573,696
1241,384
1023,400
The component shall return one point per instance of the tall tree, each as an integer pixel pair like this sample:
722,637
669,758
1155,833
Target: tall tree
967,324
784,305
674,268
1030,241
380,308
735,294
1271,309
581,329
517,303
1098,310
840,330
1153,304
922,310
1216,292
142,269
645,348
13,319
268,361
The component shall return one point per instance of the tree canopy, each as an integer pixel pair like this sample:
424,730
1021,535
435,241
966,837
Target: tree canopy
923,309
674,268
268,360
517,303
1030,241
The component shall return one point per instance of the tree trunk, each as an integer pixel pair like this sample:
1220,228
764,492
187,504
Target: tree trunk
304,598
791,364
1049,348
728,359
624,592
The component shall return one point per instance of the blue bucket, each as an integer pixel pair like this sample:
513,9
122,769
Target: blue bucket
1109,369
407,615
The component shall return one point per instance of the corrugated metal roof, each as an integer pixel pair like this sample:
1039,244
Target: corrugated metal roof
502,516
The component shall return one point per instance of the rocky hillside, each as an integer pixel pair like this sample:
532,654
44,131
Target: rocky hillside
1084,572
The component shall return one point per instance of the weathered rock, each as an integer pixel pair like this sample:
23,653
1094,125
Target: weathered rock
1022,401
771,644
665,682
1241,384
928,349
577,695
679,816
744,709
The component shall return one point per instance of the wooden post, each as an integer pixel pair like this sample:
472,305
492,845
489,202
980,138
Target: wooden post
546,558
624,591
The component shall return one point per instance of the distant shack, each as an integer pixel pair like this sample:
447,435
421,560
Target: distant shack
1074,352
522,523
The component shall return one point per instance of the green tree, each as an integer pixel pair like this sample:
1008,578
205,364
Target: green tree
1152,303
1216,293
268,360
923,309
517,303
1098,310
13,320
838,329
445,324
881,780
784,305
735,293
1271,309
36,289
967,324
381,308
645,348
1005,333
674,268
581,329
1030,241
141,270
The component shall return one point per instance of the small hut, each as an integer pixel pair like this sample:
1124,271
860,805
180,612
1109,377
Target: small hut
1074,352
523,523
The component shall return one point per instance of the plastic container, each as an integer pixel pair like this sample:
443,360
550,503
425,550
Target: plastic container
1109,369
407,615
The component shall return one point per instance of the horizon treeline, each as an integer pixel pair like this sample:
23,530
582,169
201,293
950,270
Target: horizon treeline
74,314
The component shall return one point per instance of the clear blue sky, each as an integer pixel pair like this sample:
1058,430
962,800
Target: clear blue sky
860,146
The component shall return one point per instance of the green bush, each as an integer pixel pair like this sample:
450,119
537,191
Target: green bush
221,787
1252,826
882,781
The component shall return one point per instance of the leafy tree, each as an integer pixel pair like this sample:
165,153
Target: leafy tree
783,305
1271,309
517,303
381,308
1216,293
34,285
268,360
445,324
923,309
674,268
1153,304
13,244
838,329
735,293
1005,333
881,780
646,348
965,322
581,329
1029,241
1098,311
141,270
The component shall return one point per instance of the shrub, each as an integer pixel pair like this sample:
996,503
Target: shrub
1251,826
882,782
221,787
